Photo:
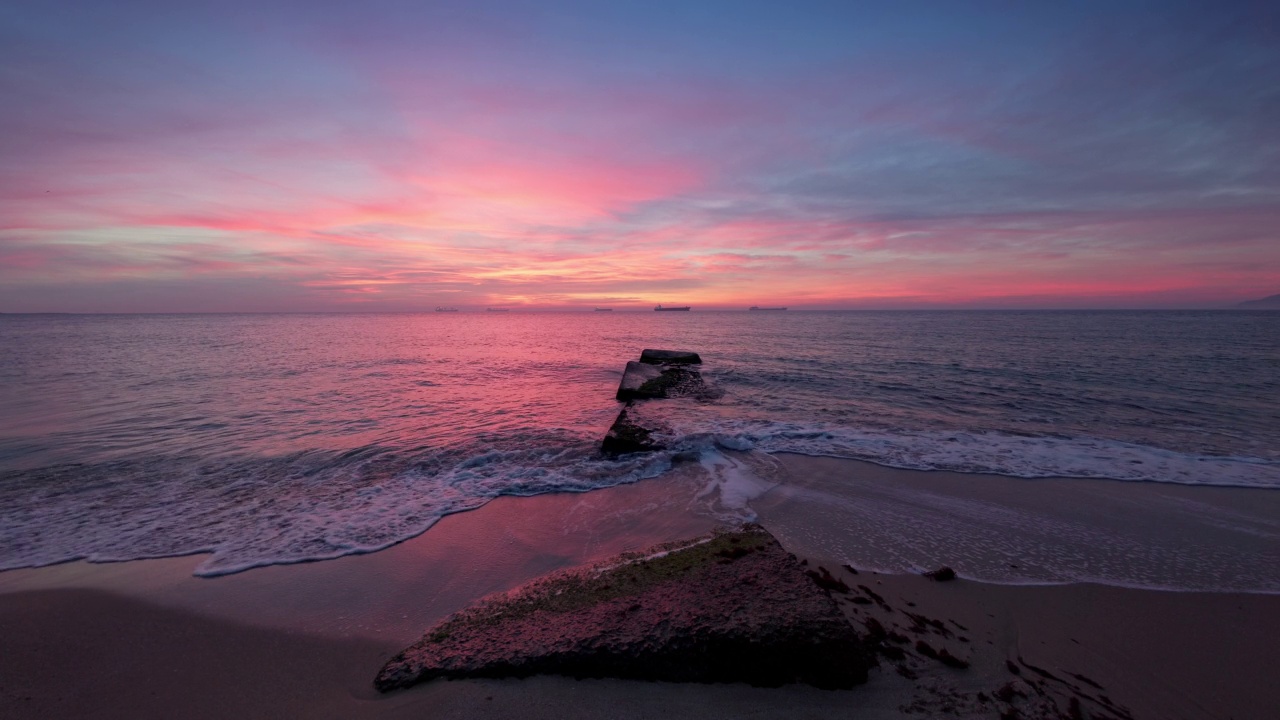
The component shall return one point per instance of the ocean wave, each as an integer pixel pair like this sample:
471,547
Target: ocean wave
247,513
316,505
1026,456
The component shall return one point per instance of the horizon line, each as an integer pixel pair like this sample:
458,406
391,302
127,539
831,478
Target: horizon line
482,310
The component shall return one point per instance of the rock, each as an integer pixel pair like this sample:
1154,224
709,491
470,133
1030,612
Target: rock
669,357
649,382
825,580
626,436
946,658
942,574
634,377
729,607
873,595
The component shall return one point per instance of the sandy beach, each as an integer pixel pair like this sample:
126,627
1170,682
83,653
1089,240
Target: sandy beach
146,639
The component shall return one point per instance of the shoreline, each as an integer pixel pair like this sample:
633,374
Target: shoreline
797,463
1018,532
308,638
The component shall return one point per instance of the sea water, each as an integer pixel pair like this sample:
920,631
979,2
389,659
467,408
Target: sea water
264,439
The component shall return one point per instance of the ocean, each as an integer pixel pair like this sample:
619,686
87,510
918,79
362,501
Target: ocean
268,439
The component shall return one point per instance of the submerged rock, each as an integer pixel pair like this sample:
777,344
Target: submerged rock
733,606
627,436
669,357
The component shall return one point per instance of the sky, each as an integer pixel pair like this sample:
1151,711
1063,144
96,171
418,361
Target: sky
400,155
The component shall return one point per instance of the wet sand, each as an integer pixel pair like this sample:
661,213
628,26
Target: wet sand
146,639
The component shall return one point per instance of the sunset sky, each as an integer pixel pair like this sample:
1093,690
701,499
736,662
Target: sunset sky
261,156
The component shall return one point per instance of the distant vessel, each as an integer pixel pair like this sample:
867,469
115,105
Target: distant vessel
497,309
671,309
604,309
756,308
441,308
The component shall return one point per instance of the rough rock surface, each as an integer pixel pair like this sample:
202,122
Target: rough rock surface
641,381
627,436
669,357
733,606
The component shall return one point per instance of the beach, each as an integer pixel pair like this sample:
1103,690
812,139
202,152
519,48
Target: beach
707,360
147,639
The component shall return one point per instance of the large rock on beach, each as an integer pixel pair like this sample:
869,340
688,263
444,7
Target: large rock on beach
669,357
628,436
732,606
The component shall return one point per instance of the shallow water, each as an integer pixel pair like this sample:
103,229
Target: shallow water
1019,531
278,438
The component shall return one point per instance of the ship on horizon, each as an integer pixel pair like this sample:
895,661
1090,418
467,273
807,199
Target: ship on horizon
671,309
441,308
600,309
757,308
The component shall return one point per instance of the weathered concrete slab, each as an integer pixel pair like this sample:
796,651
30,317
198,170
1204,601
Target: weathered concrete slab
733,606
669,357
641,381
634,378
628,436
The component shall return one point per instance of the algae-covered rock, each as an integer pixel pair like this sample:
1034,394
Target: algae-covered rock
733,606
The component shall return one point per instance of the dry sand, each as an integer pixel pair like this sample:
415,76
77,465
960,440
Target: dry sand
145,639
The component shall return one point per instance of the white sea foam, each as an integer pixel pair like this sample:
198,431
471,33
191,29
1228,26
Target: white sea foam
1028,457
731,484
250,513
976,452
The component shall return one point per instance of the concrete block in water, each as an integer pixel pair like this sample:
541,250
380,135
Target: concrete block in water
669,357
641,381
634,378
627,436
